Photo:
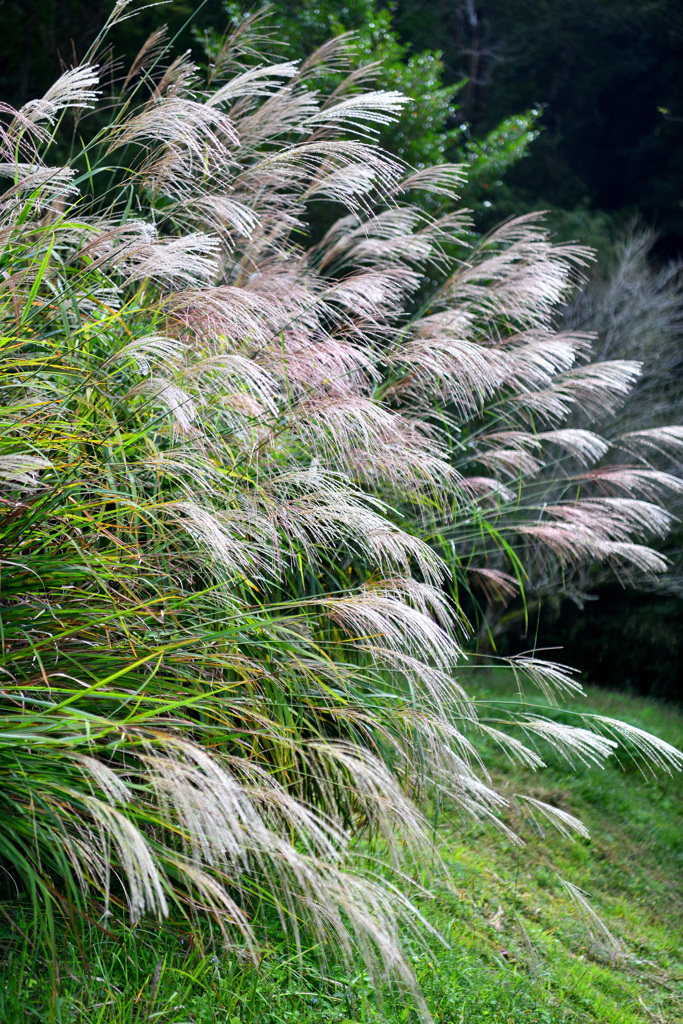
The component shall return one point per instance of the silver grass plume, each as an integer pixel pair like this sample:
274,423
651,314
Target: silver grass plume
269,467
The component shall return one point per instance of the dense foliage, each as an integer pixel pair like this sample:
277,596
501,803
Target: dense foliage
250,481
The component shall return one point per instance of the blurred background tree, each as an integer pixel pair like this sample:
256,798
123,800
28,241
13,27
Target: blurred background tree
607,77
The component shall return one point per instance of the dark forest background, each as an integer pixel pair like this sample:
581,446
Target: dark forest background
571,106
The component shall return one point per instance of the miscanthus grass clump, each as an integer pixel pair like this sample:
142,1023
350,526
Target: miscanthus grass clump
246,475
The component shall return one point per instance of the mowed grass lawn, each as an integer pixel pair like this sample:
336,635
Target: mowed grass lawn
519,949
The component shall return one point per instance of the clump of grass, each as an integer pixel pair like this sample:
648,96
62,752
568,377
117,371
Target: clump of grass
241,475
516,947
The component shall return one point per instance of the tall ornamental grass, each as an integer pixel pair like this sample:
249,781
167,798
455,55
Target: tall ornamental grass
247,476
